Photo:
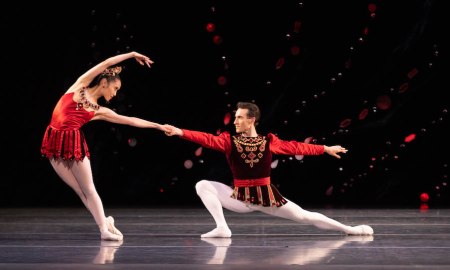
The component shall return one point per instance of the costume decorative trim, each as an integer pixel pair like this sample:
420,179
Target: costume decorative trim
266,195
85,102
65,144
251,182
251,145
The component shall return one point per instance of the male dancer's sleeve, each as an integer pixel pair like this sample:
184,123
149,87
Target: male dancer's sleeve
278,146
220,142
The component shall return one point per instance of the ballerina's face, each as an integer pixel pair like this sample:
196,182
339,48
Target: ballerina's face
111,89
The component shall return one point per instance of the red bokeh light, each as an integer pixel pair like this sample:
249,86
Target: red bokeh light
410,137
413,72
198,152
363,114
424,197
297,25
226,119
403,88
384,102
222,80
280,63
366,31
345,123
217,40
295,50
210,27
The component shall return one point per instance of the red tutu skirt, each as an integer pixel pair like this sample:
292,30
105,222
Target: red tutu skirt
65,144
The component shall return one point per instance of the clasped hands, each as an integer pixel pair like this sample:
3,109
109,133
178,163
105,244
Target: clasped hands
170,130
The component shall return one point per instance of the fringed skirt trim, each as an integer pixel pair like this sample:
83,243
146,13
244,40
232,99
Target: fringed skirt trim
65,144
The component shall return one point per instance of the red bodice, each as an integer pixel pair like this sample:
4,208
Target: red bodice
63,137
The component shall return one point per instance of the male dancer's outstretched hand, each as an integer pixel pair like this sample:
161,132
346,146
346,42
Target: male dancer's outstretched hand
335,150
171,130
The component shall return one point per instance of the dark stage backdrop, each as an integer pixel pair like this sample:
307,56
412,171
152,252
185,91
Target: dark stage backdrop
369,75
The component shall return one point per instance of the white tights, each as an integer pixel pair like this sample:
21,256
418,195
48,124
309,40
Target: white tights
78,175
216,195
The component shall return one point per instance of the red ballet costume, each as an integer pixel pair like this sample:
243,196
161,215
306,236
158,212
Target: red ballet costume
250,161
63,137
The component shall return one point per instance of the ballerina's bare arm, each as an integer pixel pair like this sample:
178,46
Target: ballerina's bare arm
85,79
106,114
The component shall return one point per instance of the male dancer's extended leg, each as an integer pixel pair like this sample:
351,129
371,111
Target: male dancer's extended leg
214,196
294,212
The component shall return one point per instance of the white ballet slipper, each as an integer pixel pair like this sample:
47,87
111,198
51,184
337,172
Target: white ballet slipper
361,230
218,232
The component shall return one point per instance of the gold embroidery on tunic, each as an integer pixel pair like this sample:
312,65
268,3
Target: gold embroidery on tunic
252,145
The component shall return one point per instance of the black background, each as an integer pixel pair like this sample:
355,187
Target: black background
340,71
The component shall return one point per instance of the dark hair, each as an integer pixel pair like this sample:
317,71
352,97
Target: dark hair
253,110
110,74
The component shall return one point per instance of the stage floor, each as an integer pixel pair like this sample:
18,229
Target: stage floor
169,238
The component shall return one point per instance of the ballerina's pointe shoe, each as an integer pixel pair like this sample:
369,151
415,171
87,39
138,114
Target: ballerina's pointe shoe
109,236
111,227
362,230
218,232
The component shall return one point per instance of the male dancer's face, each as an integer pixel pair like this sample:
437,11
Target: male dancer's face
242,122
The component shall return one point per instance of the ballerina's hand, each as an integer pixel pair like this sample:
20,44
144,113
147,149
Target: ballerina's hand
143,60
